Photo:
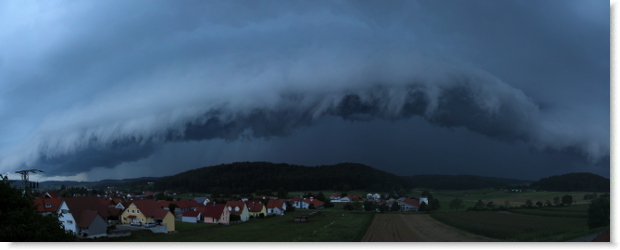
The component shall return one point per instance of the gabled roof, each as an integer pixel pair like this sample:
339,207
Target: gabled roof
78,204
212,210
415,203
107,202
191,203
163,203
42,204
52,194
191,213
314,201
200,199
254,206
276,203
86,217
150,208
85,209
234,204
113,211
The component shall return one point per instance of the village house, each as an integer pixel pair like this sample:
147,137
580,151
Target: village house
277,207
84,216
215,213
239,208
256,208
192,216
47,205
407,204
305,203
144,211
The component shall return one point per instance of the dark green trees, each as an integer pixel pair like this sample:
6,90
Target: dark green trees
598,213
395,206
21,221
567,199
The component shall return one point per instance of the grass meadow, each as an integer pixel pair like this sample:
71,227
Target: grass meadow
329,227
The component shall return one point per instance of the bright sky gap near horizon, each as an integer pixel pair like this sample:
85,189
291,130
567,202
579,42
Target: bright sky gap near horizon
93,90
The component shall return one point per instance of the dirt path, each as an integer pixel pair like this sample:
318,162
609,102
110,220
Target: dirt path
415,227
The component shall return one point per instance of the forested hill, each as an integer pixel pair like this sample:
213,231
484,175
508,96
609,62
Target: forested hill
573,182
461,182
247,177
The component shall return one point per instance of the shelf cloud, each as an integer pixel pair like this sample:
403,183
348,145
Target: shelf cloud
97,84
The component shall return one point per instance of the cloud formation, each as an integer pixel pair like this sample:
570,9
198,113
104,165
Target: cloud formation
92,84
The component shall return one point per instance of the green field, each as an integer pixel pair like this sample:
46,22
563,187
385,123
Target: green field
547,224
184,226
329,227
470,197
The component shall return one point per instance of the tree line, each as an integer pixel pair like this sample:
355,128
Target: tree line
247,177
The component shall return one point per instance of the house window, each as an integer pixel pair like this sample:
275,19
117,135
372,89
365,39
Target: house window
48,205
124,218
133,211
65,211
142,219
138,211
69,222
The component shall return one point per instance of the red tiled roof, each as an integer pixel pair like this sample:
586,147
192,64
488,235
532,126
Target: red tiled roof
191,213
150,208
86,217
78,204
234,204
275,203
415,203
314,201
85,209
41,204
164,203
190,202
114,211
107,202
211,210
255,206
52,194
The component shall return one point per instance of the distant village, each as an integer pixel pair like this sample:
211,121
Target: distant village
115,213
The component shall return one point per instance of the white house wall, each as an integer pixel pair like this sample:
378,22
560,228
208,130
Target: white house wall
67,218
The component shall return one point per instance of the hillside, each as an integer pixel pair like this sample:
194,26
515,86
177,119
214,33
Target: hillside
247,177
460,182
573,182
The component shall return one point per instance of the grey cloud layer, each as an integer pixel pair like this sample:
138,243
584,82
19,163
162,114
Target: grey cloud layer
103,84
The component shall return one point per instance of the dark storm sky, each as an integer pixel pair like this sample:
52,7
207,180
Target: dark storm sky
91,90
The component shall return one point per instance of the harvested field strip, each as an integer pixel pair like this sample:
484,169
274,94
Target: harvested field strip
550,213
415,227
511,226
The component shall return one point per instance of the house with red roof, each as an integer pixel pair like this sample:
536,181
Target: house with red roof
215,213
144,211
407,204
191,216
239,208
356,197
84,216
47,205
307,203
276,207
256,208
